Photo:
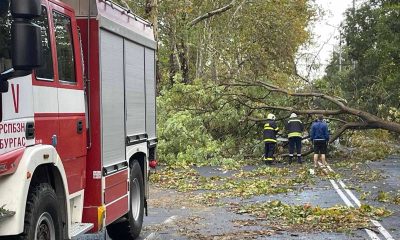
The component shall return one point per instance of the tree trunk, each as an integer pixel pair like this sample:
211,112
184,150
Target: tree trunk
151,10
184,59
173,60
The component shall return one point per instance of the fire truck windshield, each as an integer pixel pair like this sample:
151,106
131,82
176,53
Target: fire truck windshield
5,36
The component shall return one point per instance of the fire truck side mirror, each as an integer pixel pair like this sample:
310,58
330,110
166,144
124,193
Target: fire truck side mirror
25,36
26,9
26,45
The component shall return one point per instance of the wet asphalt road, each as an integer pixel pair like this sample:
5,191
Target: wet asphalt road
169,211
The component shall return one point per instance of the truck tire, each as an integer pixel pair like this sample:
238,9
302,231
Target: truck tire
136,200
42,215
130,227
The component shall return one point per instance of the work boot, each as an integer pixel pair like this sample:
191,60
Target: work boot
290,160
299,160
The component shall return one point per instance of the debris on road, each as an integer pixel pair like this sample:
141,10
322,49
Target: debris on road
244,184
307,218
283,201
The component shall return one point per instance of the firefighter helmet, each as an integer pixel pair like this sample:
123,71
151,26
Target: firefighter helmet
293,115
271,116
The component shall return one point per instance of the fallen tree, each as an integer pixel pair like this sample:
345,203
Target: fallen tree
347,118
367,120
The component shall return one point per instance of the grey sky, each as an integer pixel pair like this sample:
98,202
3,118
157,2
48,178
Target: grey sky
326,37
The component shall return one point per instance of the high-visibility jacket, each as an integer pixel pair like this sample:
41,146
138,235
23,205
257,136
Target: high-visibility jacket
270,131
295,128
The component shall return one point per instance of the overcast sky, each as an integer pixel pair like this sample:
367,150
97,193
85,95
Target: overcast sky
326,36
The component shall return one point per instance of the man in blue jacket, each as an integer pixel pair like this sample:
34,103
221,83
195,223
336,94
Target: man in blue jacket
319,136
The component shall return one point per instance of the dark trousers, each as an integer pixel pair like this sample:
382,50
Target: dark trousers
295,143
269,151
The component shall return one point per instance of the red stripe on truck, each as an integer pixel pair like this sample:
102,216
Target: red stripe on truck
10,161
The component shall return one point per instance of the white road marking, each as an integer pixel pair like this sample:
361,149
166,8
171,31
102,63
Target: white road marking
354,198
346,200
370,233
341,194
152,236
330,169
381,229
155,236
170,219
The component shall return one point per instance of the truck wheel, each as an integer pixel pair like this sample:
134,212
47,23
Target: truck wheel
42,215
136,200
130,227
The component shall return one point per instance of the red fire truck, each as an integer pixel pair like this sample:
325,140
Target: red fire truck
78,119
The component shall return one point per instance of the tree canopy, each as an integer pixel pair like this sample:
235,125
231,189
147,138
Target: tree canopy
224,65
370,57
225,40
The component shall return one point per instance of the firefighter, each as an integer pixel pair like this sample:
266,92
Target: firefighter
270,131
295,129
319,136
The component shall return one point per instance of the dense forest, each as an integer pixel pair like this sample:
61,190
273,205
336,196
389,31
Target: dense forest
223,65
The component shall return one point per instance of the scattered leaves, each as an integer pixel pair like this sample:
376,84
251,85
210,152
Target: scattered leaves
364,195
244,184
307,218
389,197
383,196
368,175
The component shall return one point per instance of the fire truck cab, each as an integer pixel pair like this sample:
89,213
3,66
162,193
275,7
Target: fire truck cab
78,119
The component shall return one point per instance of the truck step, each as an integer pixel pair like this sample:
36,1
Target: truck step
80,228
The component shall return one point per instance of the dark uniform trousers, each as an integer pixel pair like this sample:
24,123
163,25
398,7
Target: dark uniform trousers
269,151
295,128
295,143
